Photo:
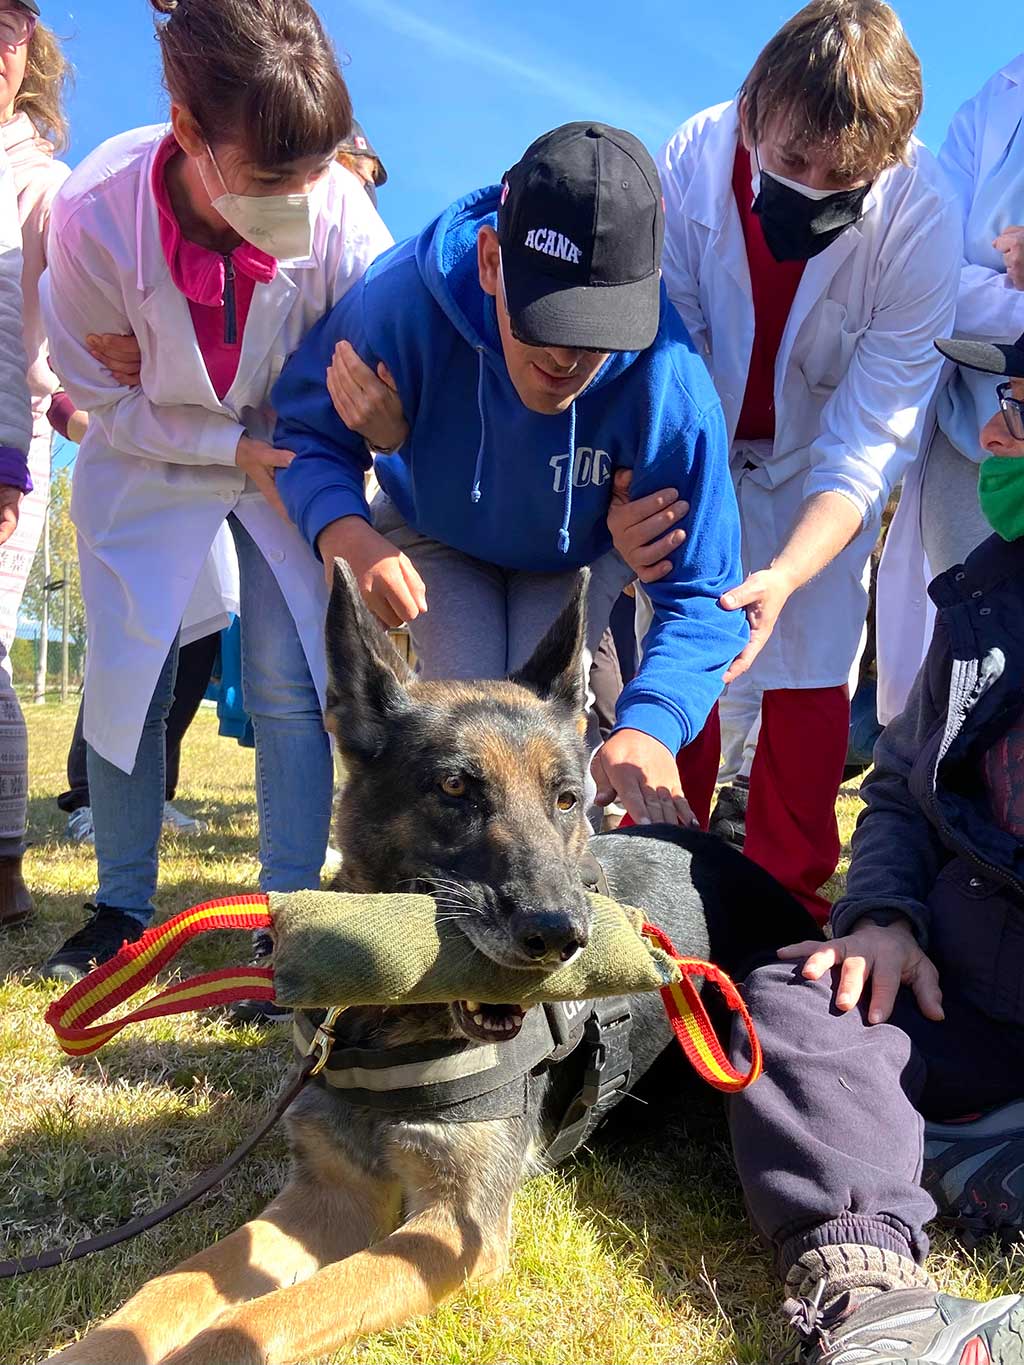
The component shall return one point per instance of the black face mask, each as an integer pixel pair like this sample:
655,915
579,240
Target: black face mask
797,228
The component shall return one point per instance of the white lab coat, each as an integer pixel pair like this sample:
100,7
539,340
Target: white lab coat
216,595
855,372
155,477
988,309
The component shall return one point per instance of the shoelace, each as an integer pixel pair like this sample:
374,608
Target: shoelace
805,1318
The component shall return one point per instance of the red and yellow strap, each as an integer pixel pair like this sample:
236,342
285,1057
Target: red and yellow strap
694,1029
73,1017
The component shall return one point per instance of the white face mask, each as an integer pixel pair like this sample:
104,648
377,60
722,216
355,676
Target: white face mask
805,190
279,224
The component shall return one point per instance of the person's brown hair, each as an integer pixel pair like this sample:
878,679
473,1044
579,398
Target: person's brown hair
45,86
845,74
261,73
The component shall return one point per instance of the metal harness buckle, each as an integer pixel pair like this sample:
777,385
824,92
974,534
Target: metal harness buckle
323,1040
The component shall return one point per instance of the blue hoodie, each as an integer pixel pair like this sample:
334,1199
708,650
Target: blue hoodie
482,473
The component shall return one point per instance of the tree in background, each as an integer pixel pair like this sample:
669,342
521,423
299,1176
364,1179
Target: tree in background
63,563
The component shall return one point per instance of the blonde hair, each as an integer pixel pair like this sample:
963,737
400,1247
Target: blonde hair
845,74
47,80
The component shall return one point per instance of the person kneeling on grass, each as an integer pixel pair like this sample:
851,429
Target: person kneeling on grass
533,351
913,1015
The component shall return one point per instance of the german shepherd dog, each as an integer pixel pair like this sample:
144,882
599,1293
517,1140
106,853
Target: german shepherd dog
474,792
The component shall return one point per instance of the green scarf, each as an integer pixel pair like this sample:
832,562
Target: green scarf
1001,494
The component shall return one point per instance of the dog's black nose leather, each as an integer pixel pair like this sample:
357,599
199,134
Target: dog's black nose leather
551,937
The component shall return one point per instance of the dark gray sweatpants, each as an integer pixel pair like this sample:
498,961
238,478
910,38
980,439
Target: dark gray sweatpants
828,1142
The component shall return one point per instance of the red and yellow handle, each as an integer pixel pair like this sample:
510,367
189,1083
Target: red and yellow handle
693,1028
74,1016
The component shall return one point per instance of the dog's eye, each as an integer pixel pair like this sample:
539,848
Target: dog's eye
452,785
566,801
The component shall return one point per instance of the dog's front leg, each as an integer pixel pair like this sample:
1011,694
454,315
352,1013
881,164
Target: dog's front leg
309,1224
408,1274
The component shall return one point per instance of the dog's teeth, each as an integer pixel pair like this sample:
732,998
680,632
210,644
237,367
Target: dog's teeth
478,1019
473,1006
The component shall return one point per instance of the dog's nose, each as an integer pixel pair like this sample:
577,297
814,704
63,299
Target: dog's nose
551,937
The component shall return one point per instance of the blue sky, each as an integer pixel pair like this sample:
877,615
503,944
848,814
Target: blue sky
451,91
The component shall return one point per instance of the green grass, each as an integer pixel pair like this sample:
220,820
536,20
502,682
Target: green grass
639,1253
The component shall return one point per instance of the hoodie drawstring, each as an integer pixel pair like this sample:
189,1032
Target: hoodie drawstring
474,493
563,534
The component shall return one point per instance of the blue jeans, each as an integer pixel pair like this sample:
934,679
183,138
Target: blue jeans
294,775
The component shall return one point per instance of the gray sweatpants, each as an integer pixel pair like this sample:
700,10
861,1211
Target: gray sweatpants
483,621
952,524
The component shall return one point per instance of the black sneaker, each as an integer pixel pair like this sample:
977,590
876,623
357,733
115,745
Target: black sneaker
262,1013
97,941
729,818
974,1171
901,1326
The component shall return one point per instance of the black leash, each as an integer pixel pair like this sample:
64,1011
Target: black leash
310,1065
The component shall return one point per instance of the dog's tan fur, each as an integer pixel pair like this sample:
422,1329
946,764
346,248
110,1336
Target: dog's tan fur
376,1227
330,1260
389,1211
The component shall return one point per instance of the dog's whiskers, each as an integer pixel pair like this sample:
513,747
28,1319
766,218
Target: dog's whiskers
446,893
448,884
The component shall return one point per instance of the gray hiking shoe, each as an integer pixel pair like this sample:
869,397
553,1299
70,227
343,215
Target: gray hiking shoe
905,1326
974,1171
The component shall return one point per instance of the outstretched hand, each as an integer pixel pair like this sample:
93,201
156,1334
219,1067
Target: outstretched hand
887,955
641,773
762,595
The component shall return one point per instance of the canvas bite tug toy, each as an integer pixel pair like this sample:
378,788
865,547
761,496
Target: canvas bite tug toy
333,950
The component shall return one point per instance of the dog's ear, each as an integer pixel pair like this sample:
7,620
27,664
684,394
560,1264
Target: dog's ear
365,676
555,669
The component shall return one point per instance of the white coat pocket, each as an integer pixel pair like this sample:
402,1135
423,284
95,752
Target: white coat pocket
834,336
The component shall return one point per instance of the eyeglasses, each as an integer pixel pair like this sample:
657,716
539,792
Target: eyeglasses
16,27
1013,411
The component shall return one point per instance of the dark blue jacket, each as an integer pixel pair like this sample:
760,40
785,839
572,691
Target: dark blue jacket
928,836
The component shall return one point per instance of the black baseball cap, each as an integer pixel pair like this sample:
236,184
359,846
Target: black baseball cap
30,5
1006,360
358,144
581,226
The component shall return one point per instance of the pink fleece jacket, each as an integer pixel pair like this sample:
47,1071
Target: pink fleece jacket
200,273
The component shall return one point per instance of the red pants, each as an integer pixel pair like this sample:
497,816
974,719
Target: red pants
792,830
